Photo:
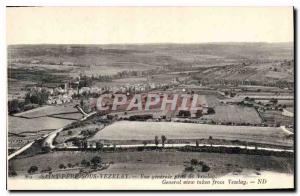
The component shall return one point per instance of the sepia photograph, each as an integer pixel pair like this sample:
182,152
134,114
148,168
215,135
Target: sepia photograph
150,98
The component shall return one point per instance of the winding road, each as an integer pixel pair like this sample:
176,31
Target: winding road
48,138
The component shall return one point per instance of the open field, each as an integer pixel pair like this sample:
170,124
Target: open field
171,162
208,100
234,114
255,72
280,102
286,96
127,130
256,88
50,110
46,117
159,78
276,117
19,125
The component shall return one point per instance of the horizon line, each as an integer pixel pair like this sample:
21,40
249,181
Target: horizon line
156,43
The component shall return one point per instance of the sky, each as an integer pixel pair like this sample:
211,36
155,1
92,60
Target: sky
129,25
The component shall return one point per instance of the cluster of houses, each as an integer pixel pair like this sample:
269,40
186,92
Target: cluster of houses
139,87
60,99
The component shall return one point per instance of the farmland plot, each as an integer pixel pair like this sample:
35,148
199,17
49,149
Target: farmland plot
50,110
16,141
208,100
234,114
19,125
276,117
128,130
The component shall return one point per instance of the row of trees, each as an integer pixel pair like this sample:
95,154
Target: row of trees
163,140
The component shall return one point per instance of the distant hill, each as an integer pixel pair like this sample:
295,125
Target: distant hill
228,61
152,54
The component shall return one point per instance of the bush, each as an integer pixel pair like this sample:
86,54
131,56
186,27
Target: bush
32,169
96,160
205,168
83,162
194,162
189,169
12,172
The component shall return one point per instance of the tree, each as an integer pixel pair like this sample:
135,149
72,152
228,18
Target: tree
274,101
96,161
13,106
69,165
145,143
34,98
62,166
156,141
27,98
99,145
84,144
163,140
83,162
43,97
232,94
69,132
210,110
32,169
76,142
210,140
